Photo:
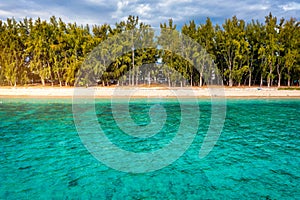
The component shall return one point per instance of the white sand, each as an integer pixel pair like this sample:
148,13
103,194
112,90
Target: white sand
107,92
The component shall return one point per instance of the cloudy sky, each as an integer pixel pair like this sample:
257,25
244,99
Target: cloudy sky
152,12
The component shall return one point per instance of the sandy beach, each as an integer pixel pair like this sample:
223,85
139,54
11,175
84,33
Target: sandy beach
150,92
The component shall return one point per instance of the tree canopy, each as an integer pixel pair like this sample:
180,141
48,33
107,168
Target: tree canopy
51,52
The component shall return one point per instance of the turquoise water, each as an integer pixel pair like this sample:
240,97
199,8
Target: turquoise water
256,156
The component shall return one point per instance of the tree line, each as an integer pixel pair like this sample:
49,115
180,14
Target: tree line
52,52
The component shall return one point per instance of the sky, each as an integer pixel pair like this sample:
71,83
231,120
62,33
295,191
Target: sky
152,12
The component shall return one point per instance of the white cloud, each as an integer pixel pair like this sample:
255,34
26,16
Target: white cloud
6,13
290,6
143,10
122,4
256,7
151,12
96,2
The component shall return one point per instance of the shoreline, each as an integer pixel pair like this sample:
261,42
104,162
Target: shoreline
146,92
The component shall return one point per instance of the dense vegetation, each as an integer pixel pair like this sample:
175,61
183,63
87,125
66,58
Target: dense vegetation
51,52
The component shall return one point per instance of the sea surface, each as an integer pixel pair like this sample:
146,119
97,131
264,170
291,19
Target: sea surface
257,155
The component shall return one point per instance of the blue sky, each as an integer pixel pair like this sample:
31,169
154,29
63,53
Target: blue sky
151,12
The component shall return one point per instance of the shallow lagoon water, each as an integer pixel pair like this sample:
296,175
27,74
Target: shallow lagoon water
256,156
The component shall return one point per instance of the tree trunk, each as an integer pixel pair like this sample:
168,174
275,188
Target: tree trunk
132,78
230,78
43,81
59,79
200,79
169,80
279,75
269,76
149,79
52,82
250,77
230,75
261,81
289,78
272,80
129,77
191,80
133,67
230,82
137,78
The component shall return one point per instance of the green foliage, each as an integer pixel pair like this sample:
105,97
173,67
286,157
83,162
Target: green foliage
52,52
